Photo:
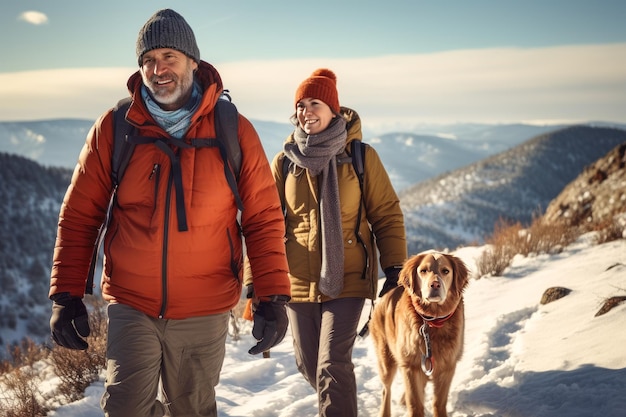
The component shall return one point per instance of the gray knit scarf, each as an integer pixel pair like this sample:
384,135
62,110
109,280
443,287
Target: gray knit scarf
317,153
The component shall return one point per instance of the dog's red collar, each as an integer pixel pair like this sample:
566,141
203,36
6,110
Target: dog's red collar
436,321
429,320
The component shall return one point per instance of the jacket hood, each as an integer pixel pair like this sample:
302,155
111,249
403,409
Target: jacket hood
353,125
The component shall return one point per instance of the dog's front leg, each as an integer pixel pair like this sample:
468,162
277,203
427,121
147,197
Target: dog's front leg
414,384
385,406
442,382
387,371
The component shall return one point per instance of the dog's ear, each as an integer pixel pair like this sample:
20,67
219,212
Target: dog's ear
405,276
461,274
408,274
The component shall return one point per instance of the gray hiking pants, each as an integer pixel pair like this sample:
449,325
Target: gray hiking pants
323,338
184,356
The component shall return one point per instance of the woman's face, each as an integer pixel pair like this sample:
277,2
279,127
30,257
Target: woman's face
313,115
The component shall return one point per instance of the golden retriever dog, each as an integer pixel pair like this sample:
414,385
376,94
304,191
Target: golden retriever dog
418,329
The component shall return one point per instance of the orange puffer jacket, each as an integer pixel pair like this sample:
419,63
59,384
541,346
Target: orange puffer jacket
149,264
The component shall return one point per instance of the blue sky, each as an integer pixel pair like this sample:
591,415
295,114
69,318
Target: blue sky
491,61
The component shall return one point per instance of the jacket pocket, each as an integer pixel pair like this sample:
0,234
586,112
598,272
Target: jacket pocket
236,255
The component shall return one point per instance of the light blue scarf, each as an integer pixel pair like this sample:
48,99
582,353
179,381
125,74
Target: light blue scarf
175,122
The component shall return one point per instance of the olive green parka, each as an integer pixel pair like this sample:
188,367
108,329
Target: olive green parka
380,230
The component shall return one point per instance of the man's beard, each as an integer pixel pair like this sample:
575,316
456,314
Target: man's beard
166,97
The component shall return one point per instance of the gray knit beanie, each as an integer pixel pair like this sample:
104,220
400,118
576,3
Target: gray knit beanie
167,29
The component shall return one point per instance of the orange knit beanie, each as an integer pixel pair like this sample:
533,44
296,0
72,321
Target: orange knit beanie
322,85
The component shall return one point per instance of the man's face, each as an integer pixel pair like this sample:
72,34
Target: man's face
168,74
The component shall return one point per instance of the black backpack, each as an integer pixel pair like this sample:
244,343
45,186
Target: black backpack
125,140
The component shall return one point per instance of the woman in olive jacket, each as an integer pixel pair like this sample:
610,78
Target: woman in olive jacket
333,231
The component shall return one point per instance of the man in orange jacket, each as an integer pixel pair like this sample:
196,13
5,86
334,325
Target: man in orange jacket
170,287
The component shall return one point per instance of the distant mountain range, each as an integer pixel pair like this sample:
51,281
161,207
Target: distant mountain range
410,157
461,207
455,182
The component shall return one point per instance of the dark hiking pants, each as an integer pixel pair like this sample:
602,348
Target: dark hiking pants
323,338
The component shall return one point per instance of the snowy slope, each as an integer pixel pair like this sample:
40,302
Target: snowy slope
521,358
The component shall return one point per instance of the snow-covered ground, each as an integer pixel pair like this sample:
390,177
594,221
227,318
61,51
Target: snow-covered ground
521,358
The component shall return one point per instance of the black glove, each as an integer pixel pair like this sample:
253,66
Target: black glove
391,281
270,323
249,291
69,320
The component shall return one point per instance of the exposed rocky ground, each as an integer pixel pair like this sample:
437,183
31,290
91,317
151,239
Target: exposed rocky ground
596,196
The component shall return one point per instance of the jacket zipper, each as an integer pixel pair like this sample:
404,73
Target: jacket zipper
155,175
168,197
155,172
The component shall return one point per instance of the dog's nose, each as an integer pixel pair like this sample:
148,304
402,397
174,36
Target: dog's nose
435,284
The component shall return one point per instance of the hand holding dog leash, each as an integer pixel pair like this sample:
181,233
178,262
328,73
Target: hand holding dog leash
270,323
391,281
69,322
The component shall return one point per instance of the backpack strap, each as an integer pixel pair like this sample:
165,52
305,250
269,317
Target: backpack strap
120,155
285,166
227,129
122,147
357,153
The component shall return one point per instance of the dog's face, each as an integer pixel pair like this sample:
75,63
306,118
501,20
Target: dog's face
432,276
